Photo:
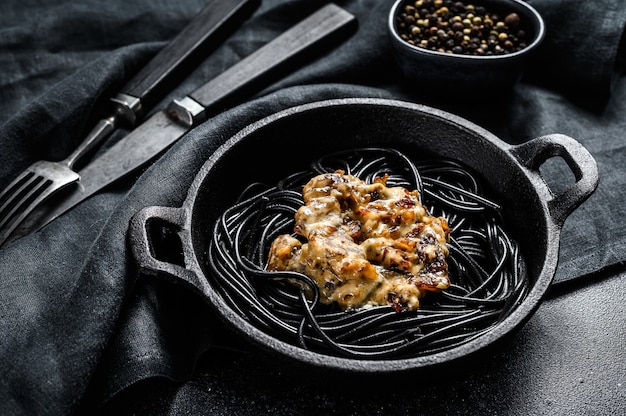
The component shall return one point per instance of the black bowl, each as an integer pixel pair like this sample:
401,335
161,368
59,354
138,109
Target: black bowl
443,72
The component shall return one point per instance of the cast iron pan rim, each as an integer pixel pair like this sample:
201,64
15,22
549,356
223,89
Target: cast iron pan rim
519,315
339,102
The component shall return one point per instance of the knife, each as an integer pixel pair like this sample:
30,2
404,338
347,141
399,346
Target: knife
321,29
204,32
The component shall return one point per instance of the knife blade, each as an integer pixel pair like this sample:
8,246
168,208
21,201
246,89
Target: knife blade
319,30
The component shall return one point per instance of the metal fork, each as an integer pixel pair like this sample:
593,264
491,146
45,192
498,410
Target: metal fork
44,178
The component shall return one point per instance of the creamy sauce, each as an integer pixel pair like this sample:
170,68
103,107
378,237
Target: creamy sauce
366,244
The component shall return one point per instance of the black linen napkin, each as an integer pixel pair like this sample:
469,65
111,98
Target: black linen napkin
77,322
583,53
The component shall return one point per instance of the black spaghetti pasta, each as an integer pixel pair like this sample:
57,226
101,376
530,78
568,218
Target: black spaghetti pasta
486,269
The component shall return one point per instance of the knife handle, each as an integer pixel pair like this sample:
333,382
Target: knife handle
206,31
313,31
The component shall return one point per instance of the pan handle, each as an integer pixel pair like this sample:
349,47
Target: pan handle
142,245
534,153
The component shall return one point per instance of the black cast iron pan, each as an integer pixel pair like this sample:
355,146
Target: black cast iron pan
287,141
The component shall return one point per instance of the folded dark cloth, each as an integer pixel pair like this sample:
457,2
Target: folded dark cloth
78,323
584,49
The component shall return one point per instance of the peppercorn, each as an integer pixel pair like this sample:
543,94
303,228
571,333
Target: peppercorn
512,21
459,28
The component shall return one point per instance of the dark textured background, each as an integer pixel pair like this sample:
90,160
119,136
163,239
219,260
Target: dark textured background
82,332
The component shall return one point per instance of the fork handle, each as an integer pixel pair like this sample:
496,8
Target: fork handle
100,131
205,32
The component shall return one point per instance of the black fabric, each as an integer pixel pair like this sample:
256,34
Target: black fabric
581,55
79,327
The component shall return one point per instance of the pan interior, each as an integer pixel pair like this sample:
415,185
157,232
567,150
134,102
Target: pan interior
269,151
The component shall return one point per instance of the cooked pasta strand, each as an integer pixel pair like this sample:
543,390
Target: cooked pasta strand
486,268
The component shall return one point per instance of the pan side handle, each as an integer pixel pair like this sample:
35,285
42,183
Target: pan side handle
534,153
143,245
